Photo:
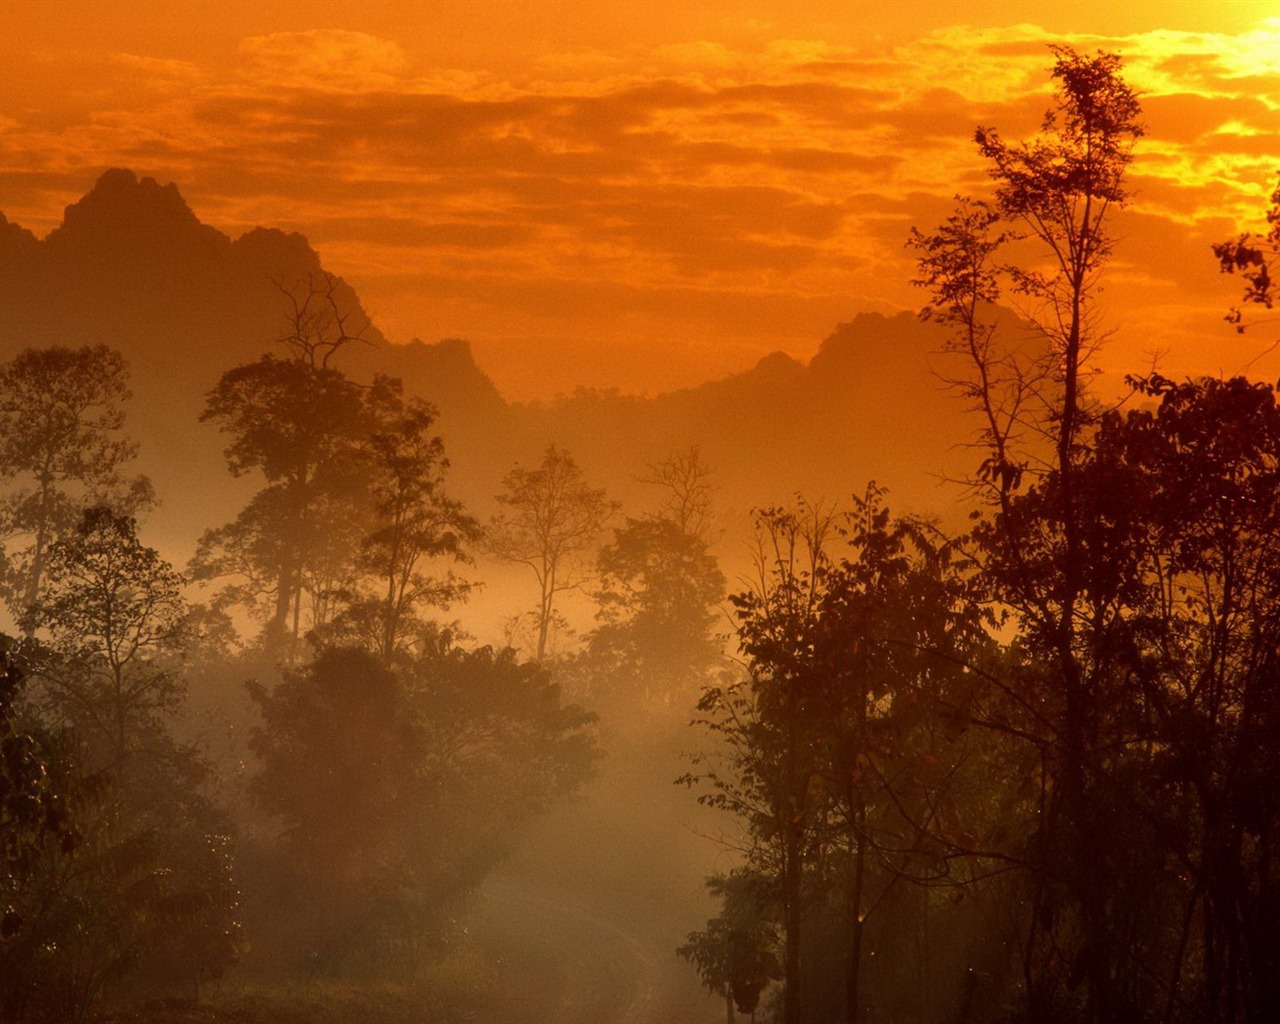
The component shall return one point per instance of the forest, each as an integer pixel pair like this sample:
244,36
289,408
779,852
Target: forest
1019,765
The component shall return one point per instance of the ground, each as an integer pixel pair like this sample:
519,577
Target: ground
580,926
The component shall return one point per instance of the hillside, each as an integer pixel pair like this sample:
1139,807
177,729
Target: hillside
132,266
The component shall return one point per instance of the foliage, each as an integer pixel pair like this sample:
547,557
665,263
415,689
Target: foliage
835,752
353,507
145,898
736,955
398,783
298,425
338,753
1042,549
114,617
33,813
1194,541
1253,254
411,523
61,414
145,903
552,521
658,588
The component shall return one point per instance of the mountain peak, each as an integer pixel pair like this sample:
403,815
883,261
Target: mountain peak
15,235
123,211
779,364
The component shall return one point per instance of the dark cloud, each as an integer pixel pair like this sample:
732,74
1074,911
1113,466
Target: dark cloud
400,231
1190,119
1191,67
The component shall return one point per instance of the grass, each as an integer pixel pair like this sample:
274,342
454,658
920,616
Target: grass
449,991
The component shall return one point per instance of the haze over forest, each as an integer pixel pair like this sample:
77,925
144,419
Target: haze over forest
132,266
777,588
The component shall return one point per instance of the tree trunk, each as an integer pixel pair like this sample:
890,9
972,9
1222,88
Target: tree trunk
31,596
792,876
792,1004
857,925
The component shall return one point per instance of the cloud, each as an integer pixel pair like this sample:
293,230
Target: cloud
769,174
410,233
326,59
160,72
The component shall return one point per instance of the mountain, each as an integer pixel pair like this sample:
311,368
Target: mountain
132,266
867,407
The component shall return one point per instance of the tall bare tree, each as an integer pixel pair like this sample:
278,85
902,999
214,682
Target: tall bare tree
298,422
1055,192
551,524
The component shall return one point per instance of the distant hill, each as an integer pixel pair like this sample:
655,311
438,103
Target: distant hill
133,267
866,407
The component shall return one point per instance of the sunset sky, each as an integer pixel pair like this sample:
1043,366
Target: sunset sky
642,195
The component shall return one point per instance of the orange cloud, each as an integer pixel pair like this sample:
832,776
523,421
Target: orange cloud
325,59
774,176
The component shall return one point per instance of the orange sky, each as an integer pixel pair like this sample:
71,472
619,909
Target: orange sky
641,195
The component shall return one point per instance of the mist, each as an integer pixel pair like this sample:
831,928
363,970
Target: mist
928,679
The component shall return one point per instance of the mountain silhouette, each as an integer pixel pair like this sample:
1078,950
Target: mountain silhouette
133,267
868,406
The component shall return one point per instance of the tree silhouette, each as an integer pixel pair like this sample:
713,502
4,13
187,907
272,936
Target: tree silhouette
298,422
412,521
834,754
297,425
659,587
61,414
32,810
1058,190
1200,530
552,521
1253,256
114,617
147,898
398,785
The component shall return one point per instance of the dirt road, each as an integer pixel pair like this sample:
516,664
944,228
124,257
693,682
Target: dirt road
584,921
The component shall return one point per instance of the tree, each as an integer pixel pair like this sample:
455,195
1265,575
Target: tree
413,523
114,618
1200,528
658,589
686,491
297,424
398,786
1059,189
318,321
735,953
1253,255
502,744
143,905
353,506
553,520
659,585
765,767
61,413
834,754
32,811
148,892
339,759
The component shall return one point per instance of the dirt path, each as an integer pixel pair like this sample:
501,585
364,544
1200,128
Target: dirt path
584,921
564,965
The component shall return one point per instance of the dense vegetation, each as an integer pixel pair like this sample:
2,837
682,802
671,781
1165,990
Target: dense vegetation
1028,771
